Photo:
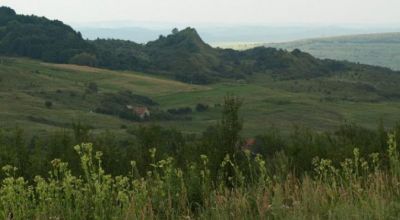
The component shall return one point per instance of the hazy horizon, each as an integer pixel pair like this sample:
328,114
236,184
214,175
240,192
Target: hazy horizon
215,12
218,21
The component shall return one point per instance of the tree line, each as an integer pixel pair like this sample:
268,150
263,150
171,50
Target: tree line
31,153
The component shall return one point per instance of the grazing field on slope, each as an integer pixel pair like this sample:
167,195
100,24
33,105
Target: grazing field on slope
321,103
26,85
266,106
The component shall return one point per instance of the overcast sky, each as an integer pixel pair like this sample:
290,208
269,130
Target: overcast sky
215,11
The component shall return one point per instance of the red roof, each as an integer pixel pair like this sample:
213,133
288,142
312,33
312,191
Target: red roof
248,144
140,110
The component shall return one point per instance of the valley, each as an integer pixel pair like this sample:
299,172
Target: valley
171,127
323,103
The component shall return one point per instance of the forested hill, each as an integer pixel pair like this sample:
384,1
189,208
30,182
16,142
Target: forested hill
38,38
182,55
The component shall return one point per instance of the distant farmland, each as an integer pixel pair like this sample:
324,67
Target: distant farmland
373,49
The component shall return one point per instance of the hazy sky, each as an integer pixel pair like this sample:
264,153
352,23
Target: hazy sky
214,11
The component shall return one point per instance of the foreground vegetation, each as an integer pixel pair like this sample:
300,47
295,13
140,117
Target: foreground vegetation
360,188
164,174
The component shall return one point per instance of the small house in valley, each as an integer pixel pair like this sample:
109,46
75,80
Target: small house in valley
142,112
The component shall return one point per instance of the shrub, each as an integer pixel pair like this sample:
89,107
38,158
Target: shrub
250,190
116,104
92,87
72,94
201,107
48,104
180,111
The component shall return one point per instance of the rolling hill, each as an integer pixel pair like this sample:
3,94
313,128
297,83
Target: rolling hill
279,88
38,38
27,85
322,103
373,49
182,55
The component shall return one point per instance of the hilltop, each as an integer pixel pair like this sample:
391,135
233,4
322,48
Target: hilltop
182,55
39,38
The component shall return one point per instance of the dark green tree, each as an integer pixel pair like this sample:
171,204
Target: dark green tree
230,125
201,107
48,104
224,138
175,31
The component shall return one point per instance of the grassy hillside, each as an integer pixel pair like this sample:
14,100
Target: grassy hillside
26,85
373,49
322,103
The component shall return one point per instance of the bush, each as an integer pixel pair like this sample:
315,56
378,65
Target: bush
92,87
72,94
201,107
116,104
48,104
255,189
160,115
180,111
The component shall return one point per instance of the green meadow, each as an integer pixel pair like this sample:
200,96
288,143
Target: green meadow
320,103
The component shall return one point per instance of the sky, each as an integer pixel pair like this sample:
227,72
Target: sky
214,11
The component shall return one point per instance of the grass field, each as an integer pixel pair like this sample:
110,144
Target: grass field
323,103
27,84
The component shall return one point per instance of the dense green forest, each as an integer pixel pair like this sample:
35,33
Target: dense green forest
182,55
38,37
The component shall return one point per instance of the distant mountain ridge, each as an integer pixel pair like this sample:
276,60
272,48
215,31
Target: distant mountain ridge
182,55
226,34
381,49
